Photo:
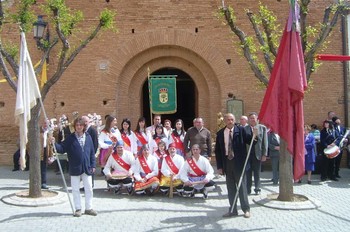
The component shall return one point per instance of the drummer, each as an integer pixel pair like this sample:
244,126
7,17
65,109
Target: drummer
120,162
171,165
197,174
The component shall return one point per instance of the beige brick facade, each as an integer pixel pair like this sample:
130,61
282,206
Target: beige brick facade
107,77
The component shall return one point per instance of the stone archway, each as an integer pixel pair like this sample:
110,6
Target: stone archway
177,49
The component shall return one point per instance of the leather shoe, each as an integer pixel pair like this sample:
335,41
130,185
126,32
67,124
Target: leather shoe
246,214
44,186
229,214
334,179
337,176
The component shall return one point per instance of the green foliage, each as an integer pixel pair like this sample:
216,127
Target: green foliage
107,19
12,49
24,16
67,18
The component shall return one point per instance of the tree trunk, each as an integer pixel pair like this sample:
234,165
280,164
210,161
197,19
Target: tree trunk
286,174
34,153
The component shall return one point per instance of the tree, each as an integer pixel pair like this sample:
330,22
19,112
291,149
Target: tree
268,32
66,27
265,44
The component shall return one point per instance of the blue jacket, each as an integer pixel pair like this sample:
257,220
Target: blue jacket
80,160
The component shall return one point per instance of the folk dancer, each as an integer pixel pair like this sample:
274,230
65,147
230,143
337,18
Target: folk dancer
171,166
128,137
160,153
107,139
142,135
157,137
197,174
118,169
146,172
177,137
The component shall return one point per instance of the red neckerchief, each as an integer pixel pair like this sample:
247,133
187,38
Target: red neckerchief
195,168
169,161
126,139
178,143
144,164
141,138
157,140
120,161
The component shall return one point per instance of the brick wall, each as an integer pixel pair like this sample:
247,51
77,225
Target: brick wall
107,77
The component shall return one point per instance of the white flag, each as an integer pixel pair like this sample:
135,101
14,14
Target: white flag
27,93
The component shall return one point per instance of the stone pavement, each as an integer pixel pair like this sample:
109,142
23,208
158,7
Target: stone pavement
159,213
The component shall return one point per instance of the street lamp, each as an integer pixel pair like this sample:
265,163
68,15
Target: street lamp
38,29
41,40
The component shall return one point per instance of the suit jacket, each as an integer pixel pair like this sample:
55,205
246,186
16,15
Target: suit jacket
80,160
273,143
93,133
260,144
239,148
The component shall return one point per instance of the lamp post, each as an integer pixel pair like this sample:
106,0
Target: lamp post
39,29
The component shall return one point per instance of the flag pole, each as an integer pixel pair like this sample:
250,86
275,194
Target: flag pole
243,173
149,95
56,155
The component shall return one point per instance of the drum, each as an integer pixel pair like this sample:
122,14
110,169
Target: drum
332,152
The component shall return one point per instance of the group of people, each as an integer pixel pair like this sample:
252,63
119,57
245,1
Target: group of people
159,158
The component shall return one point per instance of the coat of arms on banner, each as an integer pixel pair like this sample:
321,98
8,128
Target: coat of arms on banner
163,95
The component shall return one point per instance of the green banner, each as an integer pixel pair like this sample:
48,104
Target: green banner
162,91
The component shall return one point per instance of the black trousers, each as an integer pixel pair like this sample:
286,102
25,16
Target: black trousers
255,166
233,174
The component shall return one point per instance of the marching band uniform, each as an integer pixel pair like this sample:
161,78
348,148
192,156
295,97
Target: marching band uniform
327,138
146,172
339,134
171,165
195,170
121,166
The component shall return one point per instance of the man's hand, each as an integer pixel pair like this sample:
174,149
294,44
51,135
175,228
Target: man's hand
108,177
263,158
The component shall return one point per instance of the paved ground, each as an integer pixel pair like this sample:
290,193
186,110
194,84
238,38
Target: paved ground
158,213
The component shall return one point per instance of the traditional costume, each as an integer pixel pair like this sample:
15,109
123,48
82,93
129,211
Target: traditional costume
171,166
146,168
142,138
197,171
178,141
119,167
130,142
105,140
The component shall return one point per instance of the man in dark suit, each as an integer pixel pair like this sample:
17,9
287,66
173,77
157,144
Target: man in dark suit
230,153
93,134
274,154
258,152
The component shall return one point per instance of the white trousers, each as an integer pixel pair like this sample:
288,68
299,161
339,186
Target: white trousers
87,182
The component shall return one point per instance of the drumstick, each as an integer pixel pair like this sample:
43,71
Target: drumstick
171,194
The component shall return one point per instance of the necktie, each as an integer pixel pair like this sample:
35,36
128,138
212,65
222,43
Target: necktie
230,151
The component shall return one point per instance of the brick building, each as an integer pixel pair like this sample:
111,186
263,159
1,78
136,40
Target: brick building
181,37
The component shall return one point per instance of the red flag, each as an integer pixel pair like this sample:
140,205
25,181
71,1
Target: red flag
329,57
282,107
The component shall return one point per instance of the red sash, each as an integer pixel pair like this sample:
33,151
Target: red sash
171,165
195,168
157,140
141,138
120,161
126,139
144,164
178,143
160,155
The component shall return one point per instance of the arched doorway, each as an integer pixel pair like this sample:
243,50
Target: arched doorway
186,93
